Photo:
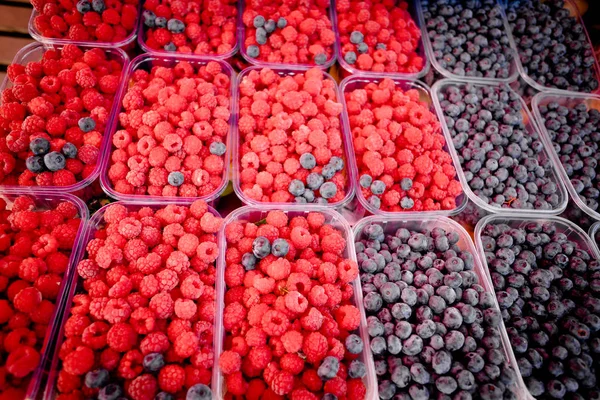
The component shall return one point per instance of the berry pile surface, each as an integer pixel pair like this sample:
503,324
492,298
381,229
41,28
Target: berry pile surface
291,147
434,330
399,150
546,282
53,116
378,37
205,27
173,131
499,150
141,323
35,246
288,32
85,20
290,318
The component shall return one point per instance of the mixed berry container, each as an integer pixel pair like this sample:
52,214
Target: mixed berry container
530,126
357,82
147,61
465,243
75,285
236,143
46,200
254,214
34,52
569,100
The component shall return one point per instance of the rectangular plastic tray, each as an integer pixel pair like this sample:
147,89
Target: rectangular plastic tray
569,100
514,73
48,201
593,234
465,243
357,82
75,284
236,143
255,214
242,39
530,127
421,50
33,52
573,10
572,231
146,62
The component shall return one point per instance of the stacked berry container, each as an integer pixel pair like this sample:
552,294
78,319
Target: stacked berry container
410,269
28,59
128,329
22,378
334,225
363,49
408,185
212,121
569,128
544,272
502,162
543,50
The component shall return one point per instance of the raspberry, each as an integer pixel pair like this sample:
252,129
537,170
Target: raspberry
144,387
121,337
314,347
186,344
283,383
230,362
27,300
79,361
171,378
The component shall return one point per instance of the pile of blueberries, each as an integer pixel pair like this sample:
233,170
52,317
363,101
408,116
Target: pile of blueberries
174,25
468,37
434,330
547,286
502,158
575,134
316,181
84,6
553,46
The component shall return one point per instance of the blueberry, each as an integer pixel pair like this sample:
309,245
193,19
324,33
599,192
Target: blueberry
170,47
149,16
356,37
354,344
365,181
378,345
419,374
54,161
314,180
164,396
373,302
253,51
39,146
217,148
446,384
328,190
362,48
175,178
280,248
386,390
35,164
175,26
296,187
86,124
261,247
407,203
160,22
350,57
329,368
329,396
337,163
357,369
259,21
249,261
281,23
83,6
199,392
406,184
270,26
69,150
98,6
153,362
321,59
110,392
97,378
401,376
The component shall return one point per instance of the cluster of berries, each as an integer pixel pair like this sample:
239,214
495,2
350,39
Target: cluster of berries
434,329
399,150
142,323
546,281
53,117
85,20
190,27
290,32
375,36
174,127
35,245
291,143
289,313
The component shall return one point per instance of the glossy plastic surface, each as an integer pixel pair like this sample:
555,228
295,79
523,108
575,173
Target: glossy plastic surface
593,234
146,62
357,82
573,10
236,144
75,284
569,100
530,127
45,201
254,214
34,52
572,231
421,50
242,39
514,72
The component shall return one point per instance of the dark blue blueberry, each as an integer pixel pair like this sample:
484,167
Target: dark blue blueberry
170,47
261,247
175,178
249,261
357,369
153,362
160,22
321,59
308,161
110,392
35,164
329,368
259,21
149,18
39,146
87,124
280,247
354,344
350,57
217,148
199,392
296,187
328,190
97,378
98,6
69,150
83,6
253,51
54,161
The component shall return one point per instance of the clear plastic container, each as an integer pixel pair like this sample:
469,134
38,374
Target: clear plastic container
573,10
46,201
146,62
254,214
357,82
569,100
530,128
465,243
34,52
242,39
76,285
572,231
236,144
513,71
593,234
421,51
141,39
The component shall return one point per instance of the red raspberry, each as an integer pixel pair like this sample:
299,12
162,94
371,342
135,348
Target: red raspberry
80,361
230,362
186,344
171,378
121,337
144,387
